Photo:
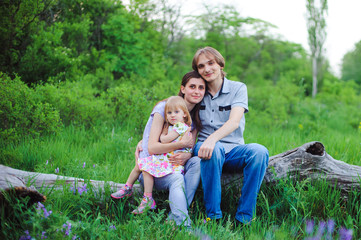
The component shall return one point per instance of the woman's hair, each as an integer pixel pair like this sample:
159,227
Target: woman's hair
195,111
177,102
209,51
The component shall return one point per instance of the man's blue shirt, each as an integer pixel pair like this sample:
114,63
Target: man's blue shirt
215,111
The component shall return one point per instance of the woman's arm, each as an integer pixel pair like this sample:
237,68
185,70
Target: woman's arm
155,147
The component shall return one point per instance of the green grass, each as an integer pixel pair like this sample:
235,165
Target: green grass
108,153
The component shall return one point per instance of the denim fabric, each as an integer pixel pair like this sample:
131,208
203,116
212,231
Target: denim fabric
252,159
181,190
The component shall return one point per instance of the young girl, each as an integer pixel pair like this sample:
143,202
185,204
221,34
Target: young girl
178,121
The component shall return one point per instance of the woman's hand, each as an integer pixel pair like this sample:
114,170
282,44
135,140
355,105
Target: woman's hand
138,149
180,158
187,140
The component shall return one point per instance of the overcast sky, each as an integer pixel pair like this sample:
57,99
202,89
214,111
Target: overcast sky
343,21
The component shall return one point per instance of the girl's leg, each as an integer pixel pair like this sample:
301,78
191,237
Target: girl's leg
147,201
148,184
133,176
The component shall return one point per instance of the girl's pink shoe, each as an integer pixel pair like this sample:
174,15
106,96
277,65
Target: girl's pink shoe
146,204
125,191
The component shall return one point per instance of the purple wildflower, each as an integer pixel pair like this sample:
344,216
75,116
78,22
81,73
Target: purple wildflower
93,165
27,236
47,213
43,235
73,189
112,227
74,237
330,228
47,161
84,165
345,234
41,207
67,227
57,170
82,189
309,227
321,229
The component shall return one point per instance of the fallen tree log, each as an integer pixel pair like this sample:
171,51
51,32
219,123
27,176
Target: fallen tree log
309,161
14,181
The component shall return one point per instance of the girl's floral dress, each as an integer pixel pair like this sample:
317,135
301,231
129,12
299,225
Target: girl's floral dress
158,165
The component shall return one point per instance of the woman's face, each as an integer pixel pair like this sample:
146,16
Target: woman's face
194,90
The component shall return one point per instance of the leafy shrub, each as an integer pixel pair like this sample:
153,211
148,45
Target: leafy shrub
77,102
130,104
273,105
21,114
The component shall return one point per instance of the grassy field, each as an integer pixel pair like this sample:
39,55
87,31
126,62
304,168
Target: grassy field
106,152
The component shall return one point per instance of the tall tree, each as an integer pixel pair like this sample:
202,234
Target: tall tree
18,19
316,25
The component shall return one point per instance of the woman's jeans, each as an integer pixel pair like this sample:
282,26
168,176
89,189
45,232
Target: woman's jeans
252,159
181,190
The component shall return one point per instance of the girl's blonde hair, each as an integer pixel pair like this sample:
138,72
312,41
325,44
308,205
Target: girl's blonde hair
174,102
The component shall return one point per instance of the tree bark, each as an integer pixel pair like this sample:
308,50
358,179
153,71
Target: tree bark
309,161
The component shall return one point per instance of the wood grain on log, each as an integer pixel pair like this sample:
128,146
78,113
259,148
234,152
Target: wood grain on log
309,161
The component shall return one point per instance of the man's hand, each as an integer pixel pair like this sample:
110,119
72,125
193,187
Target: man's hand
180,158
206,150
138,149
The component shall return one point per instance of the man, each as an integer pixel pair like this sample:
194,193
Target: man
220,143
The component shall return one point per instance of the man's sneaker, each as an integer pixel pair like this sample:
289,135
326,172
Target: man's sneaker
146,204
125,191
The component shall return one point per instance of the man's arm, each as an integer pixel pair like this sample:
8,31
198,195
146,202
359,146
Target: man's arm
205,151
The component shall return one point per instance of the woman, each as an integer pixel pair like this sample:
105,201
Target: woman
181,188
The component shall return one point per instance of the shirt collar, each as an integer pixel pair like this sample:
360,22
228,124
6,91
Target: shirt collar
225,88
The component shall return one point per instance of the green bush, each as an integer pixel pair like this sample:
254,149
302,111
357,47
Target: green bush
21,114
273,105
77,102
131,105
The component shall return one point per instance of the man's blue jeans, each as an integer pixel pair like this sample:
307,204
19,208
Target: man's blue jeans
252,159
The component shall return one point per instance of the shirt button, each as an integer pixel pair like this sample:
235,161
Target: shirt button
211,120
212,110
